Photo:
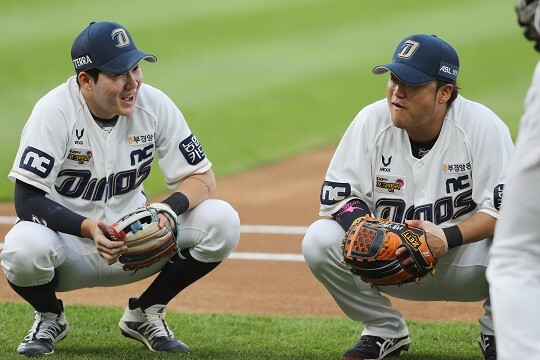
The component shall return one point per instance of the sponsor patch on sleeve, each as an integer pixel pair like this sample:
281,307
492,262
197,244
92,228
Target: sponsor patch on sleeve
498,195
192,150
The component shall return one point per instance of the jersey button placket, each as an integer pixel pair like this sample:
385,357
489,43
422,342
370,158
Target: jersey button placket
419,174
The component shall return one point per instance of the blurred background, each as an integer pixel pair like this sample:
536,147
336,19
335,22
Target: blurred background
261,80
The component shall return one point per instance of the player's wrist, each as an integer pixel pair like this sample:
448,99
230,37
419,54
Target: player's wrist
453,236
178,202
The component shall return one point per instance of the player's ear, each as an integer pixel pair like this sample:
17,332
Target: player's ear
85,81
444,93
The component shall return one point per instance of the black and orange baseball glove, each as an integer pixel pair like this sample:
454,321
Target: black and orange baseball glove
369,249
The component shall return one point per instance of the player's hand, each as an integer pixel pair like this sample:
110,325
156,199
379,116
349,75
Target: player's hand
108,249
164,221
435,237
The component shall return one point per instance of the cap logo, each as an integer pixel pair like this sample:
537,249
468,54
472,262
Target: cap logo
81,61
408,49
121,37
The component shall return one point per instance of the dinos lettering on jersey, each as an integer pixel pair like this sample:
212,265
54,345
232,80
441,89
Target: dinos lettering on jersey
443,209
333,192
79,183
192,150
37,162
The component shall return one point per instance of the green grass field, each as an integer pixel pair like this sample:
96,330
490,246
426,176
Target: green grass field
258,81
95,335
261,80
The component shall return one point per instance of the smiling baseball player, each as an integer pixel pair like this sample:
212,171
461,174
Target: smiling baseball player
84,155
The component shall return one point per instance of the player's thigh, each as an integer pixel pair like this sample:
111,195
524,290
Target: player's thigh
459,276
322,242
31,252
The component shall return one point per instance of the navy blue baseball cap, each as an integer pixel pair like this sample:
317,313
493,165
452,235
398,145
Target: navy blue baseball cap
422,58
106,46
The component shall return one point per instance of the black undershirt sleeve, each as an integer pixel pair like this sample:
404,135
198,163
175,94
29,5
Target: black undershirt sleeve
31,204
351,211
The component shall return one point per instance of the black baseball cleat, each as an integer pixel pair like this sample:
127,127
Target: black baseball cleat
488,346
377,348
47,330
150,328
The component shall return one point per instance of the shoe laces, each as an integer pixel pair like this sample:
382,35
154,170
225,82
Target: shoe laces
46,326
155,325
489,342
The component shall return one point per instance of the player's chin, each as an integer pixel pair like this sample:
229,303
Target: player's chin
126,110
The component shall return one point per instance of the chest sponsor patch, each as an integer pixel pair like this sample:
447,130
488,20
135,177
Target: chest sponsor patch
140,139
456,168
389,184
79,156
192,150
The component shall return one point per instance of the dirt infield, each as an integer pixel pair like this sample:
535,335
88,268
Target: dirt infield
286,193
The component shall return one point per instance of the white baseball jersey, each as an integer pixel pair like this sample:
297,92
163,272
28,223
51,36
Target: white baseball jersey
514,267
99,175
457,177
96,174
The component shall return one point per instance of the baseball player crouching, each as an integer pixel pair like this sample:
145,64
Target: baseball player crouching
84,154
425,155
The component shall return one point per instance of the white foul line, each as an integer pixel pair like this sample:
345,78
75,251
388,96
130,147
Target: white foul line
246,229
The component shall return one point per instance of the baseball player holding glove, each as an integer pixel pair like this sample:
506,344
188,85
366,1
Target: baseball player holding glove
425,167
85,221
514,269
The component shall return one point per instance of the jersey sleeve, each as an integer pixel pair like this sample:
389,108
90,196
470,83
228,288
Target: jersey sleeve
352,156
42,146
180,153
492,148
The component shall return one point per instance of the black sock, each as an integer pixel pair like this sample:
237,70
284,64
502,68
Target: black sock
177,275
42,297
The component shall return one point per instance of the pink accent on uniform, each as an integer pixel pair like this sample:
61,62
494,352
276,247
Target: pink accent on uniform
350,208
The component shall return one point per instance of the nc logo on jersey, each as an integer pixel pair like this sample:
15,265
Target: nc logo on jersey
408,48
37,162
333,192
121,37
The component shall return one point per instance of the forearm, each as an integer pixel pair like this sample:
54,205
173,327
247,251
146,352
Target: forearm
192,191
31,204
477,227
